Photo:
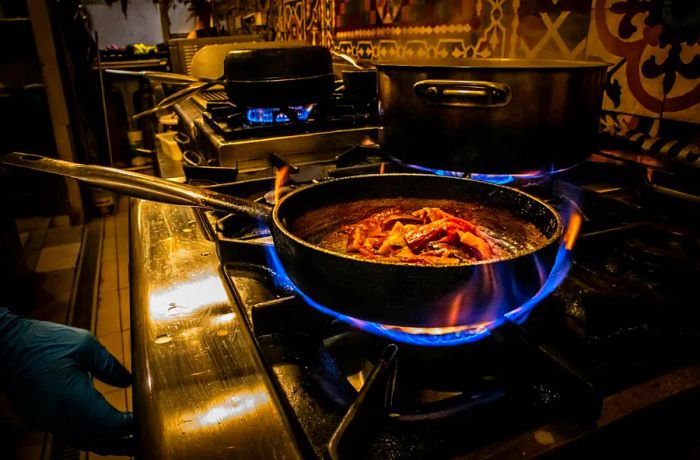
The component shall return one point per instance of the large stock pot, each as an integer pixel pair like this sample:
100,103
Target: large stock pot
490,115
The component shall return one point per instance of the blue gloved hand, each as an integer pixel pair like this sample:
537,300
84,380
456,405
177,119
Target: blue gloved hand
46,370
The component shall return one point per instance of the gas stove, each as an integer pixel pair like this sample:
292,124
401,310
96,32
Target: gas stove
244,138
608,362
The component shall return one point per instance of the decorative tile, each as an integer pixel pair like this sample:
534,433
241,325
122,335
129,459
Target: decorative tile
683,100
652,46
306,20
293,20
552,35
654,51
445,28
624,125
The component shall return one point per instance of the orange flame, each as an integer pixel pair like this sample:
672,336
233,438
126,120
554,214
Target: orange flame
456,307
439,330
381,168
280,179
572,229
459,306
367,142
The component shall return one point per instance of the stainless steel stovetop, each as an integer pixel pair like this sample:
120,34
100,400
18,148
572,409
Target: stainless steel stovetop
310,143
230,364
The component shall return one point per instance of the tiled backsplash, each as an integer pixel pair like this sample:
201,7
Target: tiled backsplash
653,46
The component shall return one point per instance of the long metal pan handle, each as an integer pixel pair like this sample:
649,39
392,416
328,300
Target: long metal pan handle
139,185
165,77
347,58
175,98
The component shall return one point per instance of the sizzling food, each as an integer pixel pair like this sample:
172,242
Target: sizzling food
426,236
444,233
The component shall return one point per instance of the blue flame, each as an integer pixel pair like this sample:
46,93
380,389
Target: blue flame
498,179
471,334
501,179
439,172
560,269
266,116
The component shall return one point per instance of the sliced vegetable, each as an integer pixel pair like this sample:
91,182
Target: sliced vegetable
428,236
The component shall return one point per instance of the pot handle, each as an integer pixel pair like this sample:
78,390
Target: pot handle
463,93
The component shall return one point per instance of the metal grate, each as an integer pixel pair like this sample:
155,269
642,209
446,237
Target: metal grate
188,52
217,95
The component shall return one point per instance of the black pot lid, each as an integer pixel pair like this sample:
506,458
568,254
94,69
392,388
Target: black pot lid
277,61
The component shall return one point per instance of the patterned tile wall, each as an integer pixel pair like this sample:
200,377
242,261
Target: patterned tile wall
653,45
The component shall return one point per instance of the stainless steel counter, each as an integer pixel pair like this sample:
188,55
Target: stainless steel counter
201,389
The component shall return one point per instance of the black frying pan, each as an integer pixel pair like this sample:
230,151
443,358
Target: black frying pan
387,293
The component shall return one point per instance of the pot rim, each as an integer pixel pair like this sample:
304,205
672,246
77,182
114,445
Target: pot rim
499,63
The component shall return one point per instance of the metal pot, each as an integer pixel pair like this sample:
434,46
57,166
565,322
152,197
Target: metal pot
278,75
490,115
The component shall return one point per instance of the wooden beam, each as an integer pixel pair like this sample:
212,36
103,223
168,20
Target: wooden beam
46,50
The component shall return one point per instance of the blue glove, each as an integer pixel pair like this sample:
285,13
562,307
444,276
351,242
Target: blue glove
46,370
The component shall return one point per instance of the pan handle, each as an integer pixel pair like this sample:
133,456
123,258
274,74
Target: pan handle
176,97
347,58
164,77
463,93
139,185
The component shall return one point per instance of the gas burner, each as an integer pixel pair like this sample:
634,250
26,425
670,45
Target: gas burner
234,123
619,319
272,116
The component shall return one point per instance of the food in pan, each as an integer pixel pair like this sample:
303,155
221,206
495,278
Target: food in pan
425,236
445,233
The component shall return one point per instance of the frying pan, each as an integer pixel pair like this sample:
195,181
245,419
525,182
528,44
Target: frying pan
398,294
